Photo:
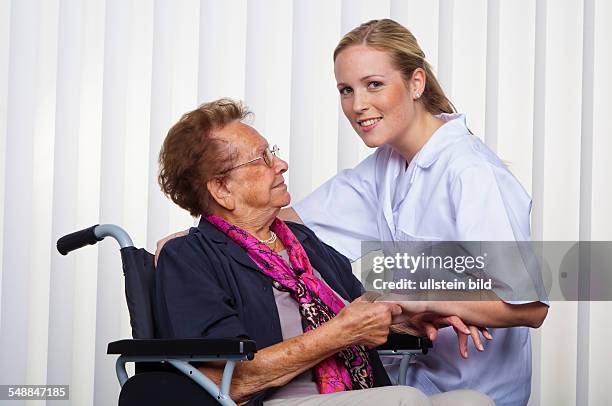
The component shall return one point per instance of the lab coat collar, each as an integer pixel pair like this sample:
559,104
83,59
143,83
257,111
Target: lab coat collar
453,128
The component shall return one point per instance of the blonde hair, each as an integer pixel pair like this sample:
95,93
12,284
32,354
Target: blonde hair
406,54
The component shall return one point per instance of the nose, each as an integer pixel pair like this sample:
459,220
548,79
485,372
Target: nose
280,166
360,102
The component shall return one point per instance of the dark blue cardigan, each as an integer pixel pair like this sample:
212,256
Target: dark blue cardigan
207,286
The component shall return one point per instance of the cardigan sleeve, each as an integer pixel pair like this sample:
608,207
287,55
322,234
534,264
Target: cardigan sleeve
190,300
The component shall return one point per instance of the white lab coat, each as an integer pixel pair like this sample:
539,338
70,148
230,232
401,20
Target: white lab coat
454,189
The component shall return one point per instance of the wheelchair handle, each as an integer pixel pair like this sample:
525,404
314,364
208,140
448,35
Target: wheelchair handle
91,235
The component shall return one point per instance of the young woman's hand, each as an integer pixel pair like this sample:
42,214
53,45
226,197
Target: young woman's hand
428,324
475,332
160,243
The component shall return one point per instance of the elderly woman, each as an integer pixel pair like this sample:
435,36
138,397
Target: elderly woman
244,273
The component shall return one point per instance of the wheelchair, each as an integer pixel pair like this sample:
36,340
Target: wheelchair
164,370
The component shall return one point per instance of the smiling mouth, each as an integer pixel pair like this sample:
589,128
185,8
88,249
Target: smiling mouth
369,122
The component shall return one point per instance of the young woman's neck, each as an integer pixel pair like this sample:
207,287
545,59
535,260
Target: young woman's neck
423,126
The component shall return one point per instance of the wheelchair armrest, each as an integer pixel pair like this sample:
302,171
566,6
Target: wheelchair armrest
406,342
186,347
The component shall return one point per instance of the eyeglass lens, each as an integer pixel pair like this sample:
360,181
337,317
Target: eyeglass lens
269,155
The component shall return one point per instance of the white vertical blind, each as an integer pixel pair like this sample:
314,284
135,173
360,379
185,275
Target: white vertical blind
109,308
89,89
422,18
561,177
445,44
174,87
222,56
598,357
268,72
469,61
513,100
42,193
90,76
314,106
5,18
586,194
65,184
22,93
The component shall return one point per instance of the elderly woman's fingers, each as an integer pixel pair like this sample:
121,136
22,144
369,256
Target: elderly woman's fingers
163,241
365,323
395,309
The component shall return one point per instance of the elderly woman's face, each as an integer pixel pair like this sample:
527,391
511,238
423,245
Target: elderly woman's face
254,185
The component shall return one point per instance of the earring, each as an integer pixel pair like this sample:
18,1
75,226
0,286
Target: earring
417,95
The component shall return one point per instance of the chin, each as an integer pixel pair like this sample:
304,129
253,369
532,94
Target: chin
372,141
287,200
284,200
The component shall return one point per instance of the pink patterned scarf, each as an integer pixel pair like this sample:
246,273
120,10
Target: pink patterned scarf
349,369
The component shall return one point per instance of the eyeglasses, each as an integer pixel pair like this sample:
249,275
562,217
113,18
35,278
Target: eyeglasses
268,157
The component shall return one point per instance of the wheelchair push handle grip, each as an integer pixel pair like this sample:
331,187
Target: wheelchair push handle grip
78,239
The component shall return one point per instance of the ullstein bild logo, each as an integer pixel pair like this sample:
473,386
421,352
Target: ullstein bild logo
432,284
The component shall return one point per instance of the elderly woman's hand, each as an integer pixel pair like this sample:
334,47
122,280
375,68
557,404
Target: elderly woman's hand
365,323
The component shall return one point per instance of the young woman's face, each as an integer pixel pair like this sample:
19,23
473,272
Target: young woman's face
374,95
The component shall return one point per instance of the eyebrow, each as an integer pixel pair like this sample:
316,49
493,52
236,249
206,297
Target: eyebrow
362,79
260,150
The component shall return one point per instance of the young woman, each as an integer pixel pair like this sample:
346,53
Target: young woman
429,179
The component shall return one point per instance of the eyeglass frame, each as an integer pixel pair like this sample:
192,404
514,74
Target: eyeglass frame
272,153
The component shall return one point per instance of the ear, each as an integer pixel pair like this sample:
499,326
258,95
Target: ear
417,83
220,193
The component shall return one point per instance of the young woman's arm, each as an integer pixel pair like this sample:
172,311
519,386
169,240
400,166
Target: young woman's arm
489,313
481,308
477,312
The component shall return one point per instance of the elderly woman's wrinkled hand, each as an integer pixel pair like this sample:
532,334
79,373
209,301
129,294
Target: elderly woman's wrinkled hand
365,323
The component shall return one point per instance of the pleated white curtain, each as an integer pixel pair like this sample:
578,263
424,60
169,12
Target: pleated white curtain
89,88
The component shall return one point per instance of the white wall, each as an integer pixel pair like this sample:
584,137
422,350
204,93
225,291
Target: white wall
88,89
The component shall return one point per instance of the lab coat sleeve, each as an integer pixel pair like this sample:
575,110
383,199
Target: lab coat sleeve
478,206
490,206
342,211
